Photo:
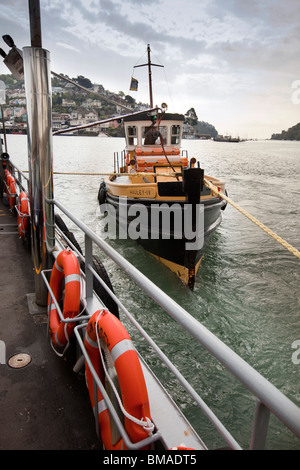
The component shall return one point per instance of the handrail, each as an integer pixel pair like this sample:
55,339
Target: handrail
267,394
202,405
21,175
268,398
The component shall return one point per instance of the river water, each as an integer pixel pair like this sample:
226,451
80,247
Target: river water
247,290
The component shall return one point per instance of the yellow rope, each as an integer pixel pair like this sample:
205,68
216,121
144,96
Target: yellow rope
215,191
140,173
272,234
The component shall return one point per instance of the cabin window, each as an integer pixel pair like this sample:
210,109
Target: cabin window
151,135
175,134
132,135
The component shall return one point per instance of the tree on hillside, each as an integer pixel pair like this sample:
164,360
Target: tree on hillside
129,99
201,127
83,81
206,128
293,133
10,81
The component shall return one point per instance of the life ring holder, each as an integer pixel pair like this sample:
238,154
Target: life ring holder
105,331
12,193
23,214
65,268
98,266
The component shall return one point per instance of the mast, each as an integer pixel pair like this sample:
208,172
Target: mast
150,76
35,23
149,64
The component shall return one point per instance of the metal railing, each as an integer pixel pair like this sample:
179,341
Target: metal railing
268,398
19,176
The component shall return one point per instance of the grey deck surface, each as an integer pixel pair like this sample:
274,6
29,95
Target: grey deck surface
45,405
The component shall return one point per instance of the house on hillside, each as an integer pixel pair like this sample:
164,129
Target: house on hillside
91,116
60,120
189,132
191,116
57,90
15,112
89,104
19,111
82,116
69,103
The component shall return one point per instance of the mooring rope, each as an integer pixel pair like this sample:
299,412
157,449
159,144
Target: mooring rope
214,191
137,173
272,234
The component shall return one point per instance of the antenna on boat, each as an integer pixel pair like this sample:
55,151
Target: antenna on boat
149,64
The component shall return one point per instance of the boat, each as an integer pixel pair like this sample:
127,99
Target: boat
156,177
227,138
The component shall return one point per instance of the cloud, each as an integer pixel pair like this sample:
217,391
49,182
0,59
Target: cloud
67,46
234,61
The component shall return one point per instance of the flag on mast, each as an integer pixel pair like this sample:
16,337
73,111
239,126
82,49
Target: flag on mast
134,84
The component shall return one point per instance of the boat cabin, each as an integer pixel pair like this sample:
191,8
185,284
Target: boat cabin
142,130
150,138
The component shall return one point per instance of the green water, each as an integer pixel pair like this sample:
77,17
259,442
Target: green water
247,289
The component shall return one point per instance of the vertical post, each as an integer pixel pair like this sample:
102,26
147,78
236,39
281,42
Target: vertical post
2,162
260,426
4,132
150,76
88,262
35,23
96,408
37,75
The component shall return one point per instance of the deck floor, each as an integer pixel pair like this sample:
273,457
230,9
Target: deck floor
44,405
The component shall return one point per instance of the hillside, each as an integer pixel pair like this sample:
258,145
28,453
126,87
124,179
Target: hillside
293,133
68,99
198,128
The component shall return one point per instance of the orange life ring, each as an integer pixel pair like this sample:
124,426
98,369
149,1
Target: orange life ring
12,191
66,266
7,178
130,375
143,163
23,214
156,151
182,448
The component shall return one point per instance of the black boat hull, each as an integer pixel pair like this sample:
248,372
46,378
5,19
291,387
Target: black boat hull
178,252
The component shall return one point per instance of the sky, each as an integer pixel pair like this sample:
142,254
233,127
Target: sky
236,62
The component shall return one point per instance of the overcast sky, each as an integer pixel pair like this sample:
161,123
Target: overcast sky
234,61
